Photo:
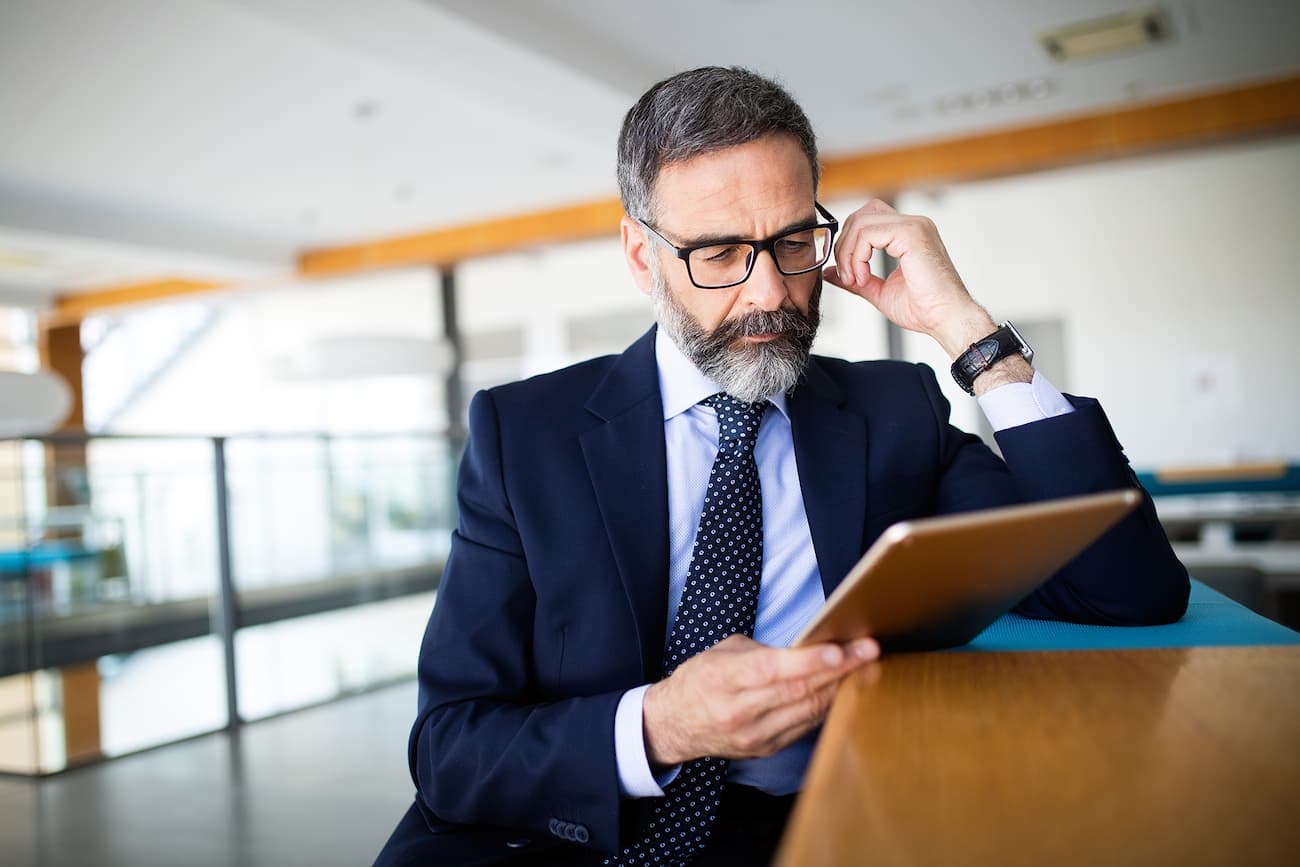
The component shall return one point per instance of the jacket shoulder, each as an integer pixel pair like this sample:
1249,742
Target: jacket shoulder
876,375
566,384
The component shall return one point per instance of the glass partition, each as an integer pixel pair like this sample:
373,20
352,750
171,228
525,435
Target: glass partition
114,632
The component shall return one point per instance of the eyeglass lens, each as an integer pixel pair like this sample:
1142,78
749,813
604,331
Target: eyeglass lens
727,264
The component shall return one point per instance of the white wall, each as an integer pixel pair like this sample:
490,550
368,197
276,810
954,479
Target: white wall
239,376
1176,280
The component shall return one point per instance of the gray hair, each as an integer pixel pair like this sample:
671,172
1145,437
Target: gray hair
697,112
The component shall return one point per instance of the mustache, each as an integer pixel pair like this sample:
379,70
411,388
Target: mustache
788,323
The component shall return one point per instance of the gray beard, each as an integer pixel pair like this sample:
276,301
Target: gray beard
755,371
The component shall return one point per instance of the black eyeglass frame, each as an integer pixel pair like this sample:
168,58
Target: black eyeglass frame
769,244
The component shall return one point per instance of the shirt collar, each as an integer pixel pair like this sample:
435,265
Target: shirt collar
681,383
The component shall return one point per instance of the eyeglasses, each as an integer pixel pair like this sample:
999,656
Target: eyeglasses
723,264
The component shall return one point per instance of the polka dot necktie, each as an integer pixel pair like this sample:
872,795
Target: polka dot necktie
719,599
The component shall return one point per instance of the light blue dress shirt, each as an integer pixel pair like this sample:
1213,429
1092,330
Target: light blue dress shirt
791,590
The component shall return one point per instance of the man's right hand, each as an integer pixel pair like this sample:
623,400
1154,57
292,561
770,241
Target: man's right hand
740,699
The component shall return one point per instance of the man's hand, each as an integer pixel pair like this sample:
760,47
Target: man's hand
740,699
924,293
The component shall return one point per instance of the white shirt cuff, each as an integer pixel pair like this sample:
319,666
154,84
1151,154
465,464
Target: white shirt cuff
1018,403
635,779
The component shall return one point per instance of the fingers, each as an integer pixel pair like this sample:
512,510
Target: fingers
737,696
765,665
780,694
786,724
877,226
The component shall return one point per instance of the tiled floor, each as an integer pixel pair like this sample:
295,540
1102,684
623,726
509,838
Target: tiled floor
319,787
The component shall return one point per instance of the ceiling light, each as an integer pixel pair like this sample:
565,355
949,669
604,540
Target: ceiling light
985,98
21,259
1113,34
1040,88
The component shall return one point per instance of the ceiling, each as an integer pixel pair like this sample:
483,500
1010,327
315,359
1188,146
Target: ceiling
213,139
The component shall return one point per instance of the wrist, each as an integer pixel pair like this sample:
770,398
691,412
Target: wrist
998,358
663,744
957,333
1003,372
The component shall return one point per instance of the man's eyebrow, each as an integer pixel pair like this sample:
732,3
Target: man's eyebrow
702,240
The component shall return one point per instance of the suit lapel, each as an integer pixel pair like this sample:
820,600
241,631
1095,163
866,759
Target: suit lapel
830,447
629,472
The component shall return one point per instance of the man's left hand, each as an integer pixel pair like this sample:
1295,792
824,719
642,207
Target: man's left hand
924,293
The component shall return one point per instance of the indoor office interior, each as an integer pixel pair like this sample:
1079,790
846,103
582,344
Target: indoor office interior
256,258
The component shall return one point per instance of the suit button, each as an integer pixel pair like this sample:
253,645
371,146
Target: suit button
518,844
580,833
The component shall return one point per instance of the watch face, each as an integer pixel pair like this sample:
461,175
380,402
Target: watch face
1025,349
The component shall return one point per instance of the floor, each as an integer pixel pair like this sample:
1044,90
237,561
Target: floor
320,787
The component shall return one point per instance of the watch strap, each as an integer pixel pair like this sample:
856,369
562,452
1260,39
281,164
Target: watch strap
986,352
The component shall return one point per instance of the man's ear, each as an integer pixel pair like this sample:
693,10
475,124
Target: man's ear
637,252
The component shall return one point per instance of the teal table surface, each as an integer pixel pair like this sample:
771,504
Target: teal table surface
1212,620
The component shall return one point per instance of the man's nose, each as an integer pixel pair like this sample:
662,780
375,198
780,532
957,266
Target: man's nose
765,288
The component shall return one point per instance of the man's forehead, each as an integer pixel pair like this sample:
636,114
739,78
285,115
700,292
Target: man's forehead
766,182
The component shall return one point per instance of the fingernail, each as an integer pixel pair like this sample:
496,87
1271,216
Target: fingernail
866,650
832,656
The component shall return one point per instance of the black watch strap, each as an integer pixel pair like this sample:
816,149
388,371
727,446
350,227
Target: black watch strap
1003,343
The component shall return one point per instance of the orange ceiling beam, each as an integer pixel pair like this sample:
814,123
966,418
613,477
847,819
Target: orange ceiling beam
74,307
1246,112
447,246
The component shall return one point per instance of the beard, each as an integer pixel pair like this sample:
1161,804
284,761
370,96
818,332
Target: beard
748,371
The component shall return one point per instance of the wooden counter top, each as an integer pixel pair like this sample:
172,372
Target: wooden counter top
1147,757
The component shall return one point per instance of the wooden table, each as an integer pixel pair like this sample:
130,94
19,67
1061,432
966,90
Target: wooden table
1149,757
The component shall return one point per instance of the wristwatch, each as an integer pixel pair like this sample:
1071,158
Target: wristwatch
1003,343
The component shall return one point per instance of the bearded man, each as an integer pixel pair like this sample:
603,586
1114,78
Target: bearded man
606,677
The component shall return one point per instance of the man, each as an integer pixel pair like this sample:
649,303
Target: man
605,677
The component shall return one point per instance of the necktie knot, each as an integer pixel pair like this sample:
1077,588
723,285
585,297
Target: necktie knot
738,421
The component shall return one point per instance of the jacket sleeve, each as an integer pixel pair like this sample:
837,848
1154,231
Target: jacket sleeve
485,747
1128,577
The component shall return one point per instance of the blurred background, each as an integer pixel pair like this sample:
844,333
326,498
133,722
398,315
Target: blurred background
256,255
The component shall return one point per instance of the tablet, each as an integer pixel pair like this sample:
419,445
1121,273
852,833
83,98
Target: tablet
938,582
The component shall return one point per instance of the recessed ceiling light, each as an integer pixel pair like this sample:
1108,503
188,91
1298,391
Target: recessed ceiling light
984,98
1040,88
949,103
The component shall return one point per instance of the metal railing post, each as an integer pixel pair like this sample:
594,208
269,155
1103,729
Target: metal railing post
229,611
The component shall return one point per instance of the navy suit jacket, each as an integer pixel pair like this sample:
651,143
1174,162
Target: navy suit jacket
554,598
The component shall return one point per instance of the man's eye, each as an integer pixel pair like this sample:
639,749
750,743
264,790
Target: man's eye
792,245
719,255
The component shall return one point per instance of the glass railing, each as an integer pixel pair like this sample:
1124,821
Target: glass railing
154,588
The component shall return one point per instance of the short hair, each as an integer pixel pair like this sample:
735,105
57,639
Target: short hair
700,111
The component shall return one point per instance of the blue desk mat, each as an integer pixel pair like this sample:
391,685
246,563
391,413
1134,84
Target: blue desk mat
1212,620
